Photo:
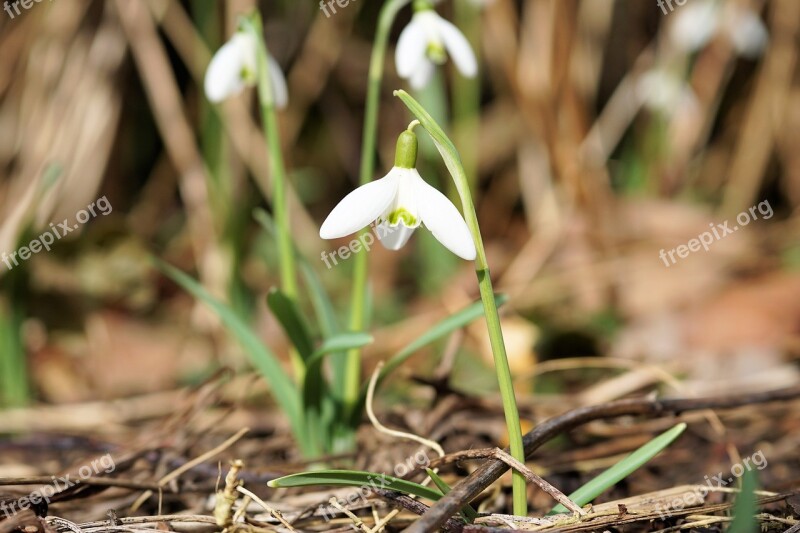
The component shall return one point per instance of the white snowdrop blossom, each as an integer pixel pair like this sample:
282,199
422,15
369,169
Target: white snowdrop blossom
661,90
697,23
234,67
399,202
426,42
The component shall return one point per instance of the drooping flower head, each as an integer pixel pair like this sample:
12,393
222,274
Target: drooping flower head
426,42
235,66
399,202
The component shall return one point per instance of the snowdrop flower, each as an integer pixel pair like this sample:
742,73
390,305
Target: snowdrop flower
426,42
400,202
697,23
234,67
661,90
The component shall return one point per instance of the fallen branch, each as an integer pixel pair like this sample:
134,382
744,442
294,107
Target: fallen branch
491,470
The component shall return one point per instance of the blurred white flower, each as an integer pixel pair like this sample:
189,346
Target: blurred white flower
425,43
697,23
234,67
400,202
663,91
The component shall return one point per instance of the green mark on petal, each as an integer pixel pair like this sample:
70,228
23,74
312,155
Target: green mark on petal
436,53
247,75
403,214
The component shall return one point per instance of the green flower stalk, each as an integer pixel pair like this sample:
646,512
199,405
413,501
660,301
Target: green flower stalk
453,162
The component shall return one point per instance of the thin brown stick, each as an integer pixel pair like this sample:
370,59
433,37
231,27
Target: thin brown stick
491,470
557,495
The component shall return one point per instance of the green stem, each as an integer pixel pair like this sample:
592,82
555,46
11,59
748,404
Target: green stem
352,377
269,121
453,161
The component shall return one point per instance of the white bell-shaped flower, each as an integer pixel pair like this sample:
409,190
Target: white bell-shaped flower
664,91
234,67
399,203
426,42
698,22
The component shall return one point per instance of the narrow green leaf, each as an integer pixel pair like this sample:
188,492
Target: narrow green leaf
745,509
354,478
341,342
314,389
283,389
323,307
622,469
439,330
291,321
467,512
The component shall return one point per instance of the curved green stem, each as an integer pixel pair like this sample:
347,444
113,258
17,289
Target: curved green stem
269,121
351,379
453,161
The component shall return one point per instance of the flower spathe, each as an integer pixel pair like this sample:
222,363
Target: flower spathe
426,42
400,202
234,67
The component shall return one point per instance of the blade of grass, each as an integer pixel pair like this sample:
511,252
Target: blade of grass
323,307
622,469
283,390
467,512
354,478
291,322
745,509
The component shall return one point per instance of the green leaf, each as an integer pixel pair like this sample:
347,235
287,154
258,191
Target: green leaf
341,342
745,509
314,390
439,330
291,321
323,308
354,478
622,469
283,389
467,512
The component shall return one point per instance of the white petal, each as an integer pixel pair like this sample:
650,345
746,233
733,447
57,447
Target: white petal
394,237
360,208
410,50
695,24
422,76
459,48
442,218
224,73
659,89
747,32
280,93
